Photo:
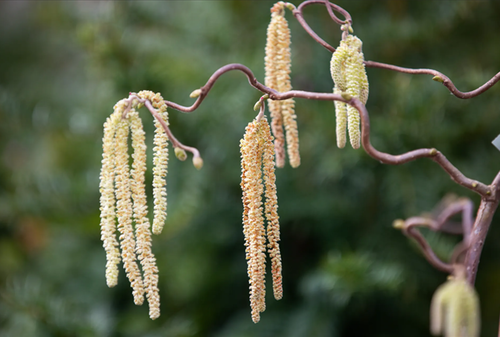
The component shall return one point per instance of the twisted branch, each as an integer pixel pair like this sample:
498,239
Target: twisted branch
440,223
438,76
489,196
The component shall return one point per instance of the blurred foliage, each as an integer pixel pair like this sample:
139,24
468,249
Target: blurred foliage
346,271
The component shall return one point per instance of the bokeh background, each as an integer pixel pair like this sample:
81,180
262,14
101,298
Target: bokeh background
347,272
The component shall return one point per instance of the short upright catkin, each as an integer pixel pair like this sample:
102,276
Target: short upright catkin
257,161
123,199
349,75
277,72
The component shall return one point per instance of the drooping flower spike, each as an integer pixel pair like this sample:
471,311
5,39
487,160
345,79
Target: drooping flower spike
277,76
257,164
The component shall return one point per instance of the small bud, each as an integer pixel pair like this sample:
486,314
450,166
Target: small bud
438,79
257,105
198,162
346,96
180,154
195,93
351,30
474,184
140,105
433,152
398,224
290,6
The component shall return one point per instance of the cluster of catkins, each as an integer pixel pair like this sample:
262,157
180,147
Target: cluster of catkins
257,175
123,198
349,75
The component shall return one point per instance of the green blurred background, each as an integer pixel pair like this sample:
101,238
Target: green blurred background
347,272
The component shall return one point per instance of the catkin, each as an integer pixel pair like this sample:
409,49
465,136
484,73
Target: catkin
341,117
160,161
455,310
257,163
271,208
107,200
140,208
349,75
124,211
277,71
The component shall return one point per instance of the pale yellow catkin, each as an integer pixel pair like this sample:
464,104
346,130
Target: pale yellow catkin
140,208
271,208
270,81
160,161
455,310
124,211
107,200
251,151
278,68
349,75
341,118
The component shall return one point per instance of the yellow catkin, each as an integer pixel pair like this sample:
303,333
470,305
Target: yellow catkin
271,82
349,75
140,208
251,153
278,68
160,161
124,211
271,208
455,310
107,200
341,118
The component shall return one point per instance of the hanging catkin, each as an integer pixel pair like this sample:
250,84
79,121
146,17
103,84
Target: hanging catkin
277,76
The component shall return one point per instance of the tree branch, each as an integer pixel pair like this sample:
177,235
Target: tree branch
385,158
440,77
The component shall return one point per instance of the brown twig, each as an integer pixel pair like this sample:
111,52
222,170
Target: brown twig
439,77
435,155
480,229
154,112
410,226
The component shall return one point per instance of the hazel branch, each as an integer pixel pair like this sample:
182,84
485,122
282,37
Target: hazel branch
440,223
386,158
435,155
438,76
175,143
